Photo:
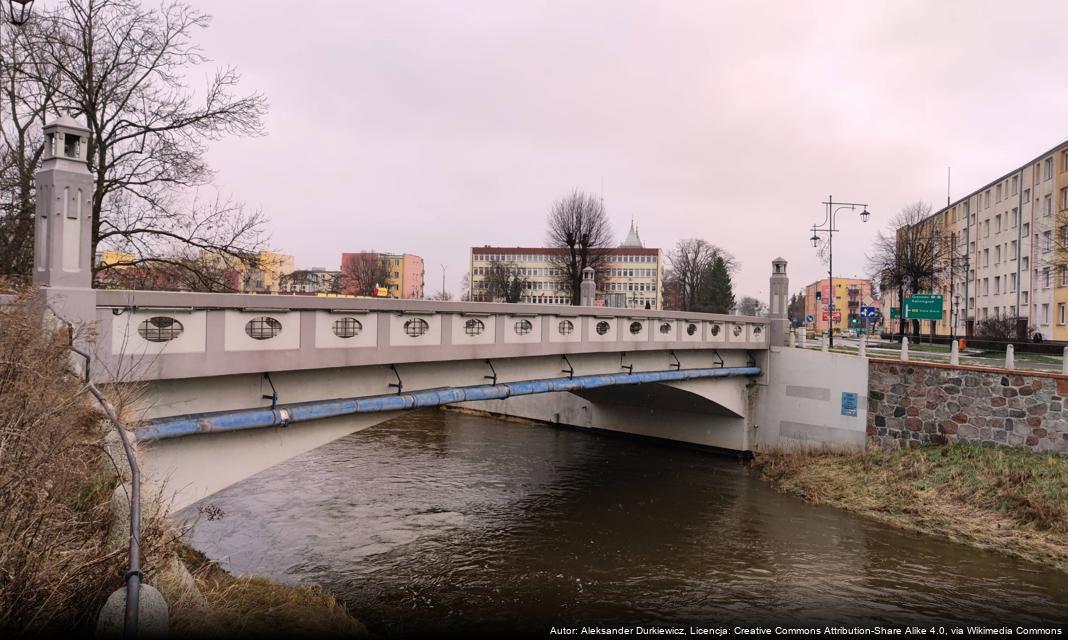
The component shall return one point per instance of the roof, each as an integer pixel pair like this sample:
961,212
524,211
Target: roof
538,251
632,240
66,122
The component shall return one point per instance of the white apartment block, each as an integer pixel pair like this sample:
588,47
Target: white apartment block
632,277
1004,239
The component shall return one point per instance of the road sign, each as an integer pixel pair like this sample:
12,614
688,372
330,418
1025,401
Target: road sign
895,313
869,312
924,306
849,403
837,315
809,318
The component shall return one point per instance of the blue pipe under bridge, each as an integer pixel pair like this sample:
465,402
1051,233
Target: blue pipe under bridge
241,419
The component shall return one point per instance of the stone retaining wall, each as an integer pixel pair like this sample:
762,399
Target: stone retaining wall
928,403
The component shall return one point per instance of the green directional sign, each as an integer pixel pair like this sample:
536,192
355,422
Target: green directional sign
924,306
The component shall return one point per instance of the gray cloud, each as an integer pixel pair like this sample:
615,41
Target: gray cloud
431,127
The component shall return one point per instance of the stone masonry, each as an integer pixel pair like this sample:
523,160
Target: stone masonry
911,403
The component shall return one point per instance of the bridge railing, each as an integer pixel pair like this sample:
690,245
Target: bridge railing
164,335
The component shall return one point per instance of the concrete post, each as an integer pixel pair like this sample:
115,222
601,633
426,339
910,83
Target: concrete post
778,303
804,337
62,253
1010,357
954,352
793,339
904,348
588,288
824,339
862,350
1064,362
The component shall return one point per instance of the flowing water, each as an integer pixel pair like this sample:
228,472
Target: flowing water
438,522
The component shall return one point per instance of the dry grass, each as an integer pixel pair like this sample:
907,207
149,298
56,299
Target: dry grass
54,567
1009,500
244,606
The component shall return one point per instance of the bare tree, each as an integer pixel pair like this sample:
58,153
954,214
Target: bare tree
750,306
690,261
27,97
504,282
442,296
362,272
465,288
578,227
123,69
914,258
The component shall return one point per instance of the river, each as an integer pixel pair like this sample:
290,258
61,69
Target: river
442,522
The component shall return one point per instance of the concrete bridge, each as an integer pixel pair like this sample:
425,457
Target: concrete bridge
227,385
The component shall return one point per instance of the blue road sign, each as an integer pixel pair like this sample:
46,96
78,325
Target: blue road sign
849,403
809,318
869,312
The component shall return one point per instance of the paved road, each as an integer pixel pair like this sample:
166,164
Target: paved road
888,349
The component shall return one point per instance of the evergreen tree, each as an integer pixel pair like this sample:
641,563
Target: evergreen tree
717,293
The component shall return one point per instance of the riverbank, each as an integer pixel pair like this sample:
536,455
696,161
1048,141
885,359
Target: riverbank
1007,500
63,551
249,606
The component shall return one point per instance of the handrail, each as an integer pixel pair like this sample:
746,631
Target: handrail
133,572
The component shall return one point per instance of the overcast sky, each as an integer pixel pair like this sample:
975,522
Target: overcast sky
429,127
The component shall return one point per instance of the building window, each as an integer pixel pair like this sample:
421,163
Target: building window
602,328
635,328
474,327
160,329
347,327
566,327
1061,313
1049,168
523,327
691,329
263,328
665,328
416,327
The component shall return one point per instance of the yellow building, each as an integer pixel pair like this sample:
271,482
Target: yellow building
850,295
109,257
1060,292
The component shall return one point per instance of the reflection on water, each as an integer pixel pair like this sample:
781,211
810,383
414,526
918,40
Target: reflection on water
444,522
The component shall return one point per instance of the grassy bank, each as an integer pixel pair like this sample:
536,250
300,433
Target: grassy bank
57,565
254,607
1008,500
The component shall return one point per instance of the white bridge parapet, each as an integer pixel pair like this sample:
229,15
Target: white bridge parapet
154,335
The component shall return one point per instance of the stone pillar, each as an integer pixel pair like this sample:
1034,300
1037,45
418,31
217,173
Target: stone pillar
63,260
904,348
824,339
778,303
862,350
588,288
954,352
1064,362
1010,357
804,338
792,339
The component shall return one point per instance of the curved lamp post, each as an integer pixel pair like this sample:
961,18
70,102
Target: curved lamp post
827,226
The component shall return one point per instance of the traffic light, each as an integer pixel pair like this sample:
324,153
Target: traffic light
819,295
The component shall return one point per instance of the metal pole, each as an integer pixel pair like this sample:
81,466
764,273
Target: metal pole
830,271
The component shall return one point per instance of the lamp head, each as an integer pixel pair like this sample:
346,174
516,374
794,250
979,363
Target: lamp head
864,215
20,11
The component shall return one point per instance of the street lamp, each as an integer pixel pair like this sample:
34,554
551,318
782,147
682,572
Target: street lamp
827,226
19,11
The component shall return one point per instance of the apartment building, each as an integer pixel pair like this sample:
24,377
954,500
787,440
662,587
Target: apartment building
1008,239
850,295
632,278
404,272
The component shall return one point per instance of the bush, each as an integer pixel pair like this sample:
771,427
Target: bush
54,488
